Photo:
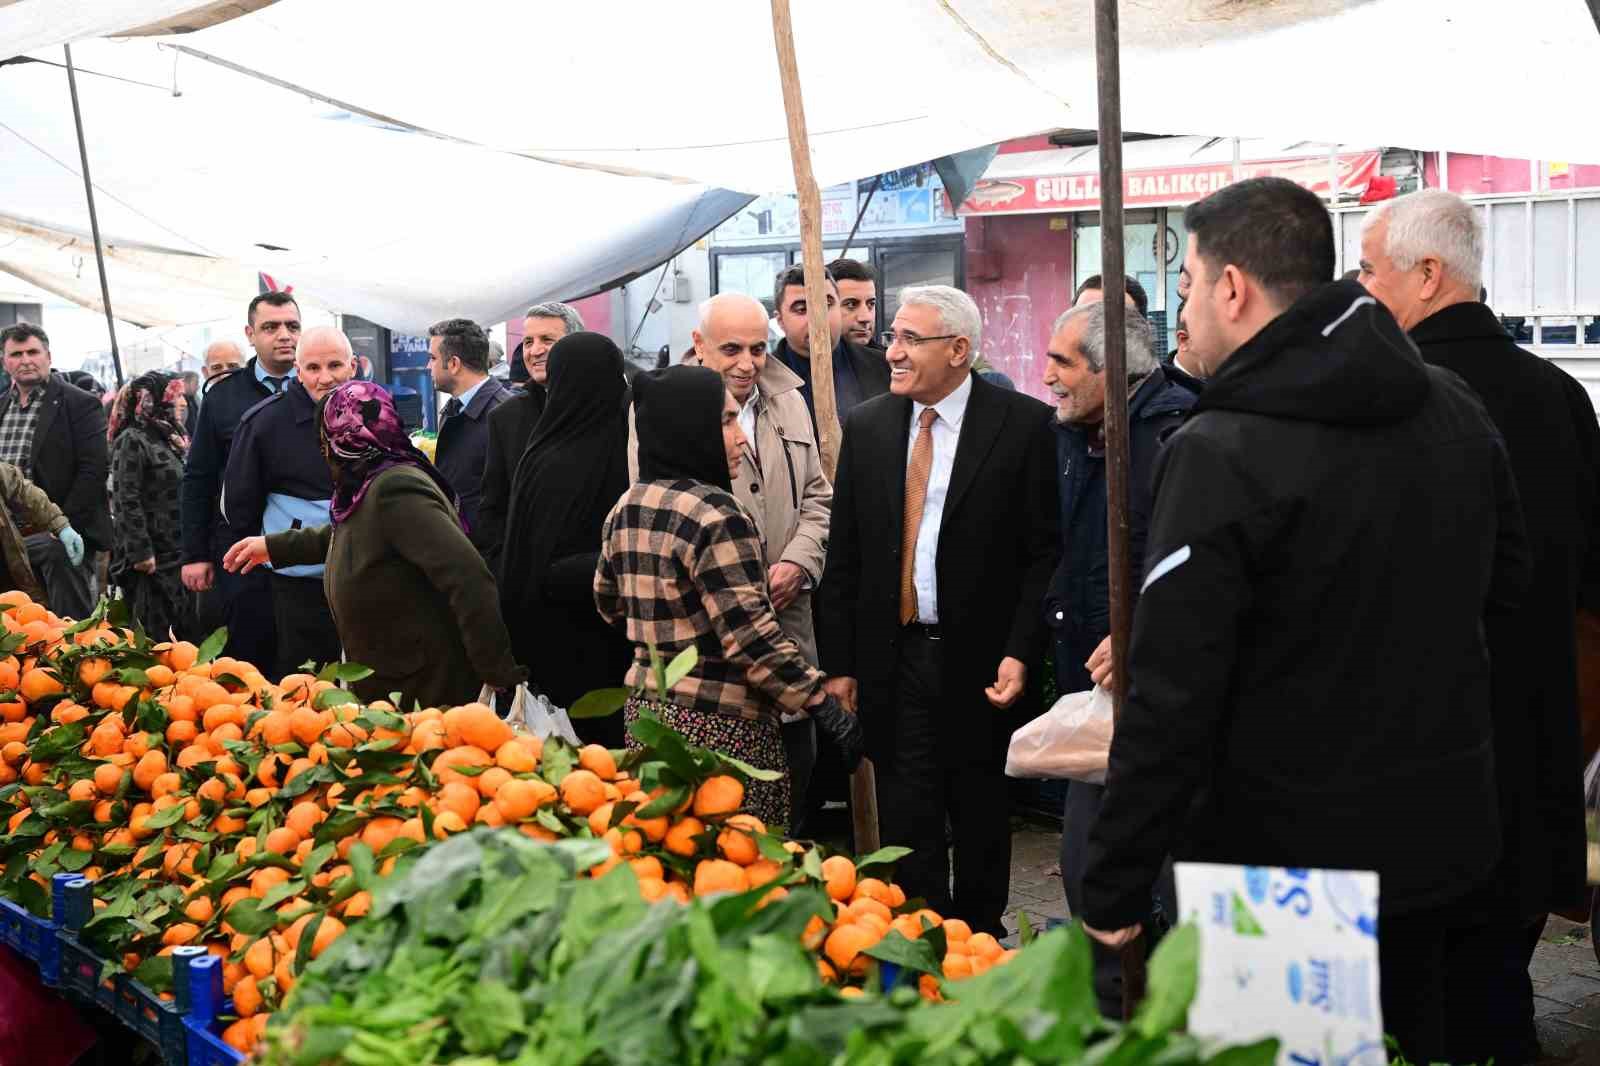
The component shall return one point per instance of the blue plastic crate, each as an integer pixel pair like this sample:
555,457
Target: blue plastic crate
80,972
35,939
205,1046
11,916
157,1020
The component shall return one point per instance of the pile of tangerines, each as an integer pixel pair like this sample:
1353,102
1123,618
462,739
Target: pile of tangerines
213,807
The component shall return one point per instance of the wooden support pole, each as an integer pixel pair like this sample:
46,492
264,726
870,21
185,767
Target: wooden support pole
1109,78
863,783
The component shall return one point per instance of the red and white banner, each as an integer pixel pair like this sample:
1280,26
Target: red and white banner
1161,186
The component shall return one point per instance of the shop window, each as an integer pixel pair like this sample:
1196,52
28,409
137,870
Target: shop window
751,273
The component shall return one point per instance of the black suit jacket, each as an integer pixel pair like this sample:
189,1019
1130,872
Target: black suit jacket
998,543
1548,423
872,368
70,459
225,402
464,446
510,425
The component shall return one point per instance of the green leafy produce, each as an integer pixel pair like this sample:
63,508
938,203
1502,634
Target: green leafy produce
490,948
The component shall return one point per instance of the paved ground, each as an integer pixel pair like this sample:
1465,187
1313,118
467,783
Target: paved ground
1566,978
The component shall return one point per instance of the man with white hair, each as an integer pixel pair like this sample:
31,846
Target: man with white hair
277,479
782,485
1077,605
945,532
221,357
1422,256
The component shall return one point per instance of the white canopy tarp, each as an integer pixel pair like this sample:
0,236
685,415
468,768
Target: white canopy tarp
691,88
398,227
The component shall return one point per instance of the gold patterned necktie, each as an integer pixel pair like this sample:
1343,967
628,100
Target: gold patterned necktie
916,495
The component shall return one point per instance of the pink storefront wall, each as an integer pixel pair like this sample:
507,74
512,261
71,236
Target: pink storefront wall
1484,175
1019,270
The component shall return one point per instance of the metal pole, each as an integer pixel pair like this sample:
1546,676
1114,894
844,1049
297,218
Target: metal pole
1112,272
863,783
861,214
94,219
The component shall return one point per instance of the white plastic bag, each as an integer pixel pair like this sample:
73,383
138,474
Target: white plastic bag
1072,739
534,714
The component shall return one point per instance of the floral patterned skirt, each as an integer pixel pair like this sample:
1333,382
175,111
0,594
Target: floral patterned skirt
757,742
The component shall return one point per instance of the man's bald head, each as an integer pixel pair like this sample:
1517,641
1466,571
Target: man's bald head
732,340
325,360
220,358
728,307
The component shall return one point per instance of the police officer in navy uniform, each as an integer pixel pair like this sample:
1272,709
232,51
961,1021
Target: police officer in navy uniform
243,602
277,479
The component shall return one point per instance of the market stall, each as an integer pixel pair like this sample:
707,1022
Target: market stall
225,863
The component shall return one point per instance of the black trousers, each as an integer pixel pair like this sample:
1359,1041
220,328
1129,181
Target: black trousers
1411,978
1081,809
244,602
306,632
1489,993
920,794
66,587
800,748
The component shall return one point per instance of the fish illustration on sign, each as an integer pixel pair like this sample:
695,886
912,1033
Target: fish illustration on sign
995,193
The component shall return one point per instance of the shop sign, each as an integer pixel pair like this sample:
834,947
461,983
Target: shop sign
1287,953
1164,186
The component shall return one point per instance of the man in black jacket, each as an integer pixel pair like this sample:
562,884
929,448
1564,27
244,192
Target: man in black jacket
56,434
1331,525
511,424
944,533
272,325
858,373
1077,607
458,360
277,479
1422,256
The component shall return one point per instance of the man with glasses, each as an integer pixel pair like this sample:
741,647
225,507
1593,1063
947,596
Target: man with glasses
858,373
943,537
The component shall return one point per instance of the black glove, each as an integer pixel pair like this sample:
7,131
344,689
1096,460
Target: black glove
844,728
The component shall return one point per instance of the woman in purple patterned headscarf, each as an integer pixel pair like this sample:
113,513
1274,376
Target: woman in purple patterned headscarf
362,436
412,598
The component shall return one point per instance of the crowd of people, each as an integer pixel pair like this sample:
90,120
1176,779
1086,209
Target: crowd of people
1362,522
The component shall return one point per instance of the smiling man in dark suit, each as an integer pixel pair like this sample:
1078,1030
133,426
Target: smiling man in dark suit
944,536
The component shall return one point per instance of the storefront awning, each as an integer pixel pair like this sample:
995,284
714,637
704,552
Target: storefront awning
1165,172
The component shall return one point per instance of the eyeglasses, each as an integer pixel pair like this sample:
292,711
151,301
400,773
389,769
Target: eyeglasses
889,338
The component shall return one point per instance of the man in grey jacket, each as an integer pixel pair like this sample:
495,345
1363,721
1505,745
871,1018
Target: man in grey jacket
781,483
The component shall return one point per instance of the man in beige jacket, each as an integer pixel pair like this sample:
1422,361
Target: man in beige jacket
781,483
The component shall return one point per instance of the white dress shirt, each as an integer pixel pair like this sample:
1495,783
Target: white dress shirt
946,432
747,418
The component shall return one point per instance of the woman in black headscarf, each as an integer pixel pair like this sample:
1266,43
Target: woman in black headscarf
681,566
574,468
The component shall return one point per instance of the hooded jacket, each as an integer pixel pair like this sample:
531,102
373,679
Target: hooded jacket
1330,527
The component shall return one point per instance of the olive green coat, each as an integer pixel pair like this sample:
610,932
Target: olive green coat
411,596
23,498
